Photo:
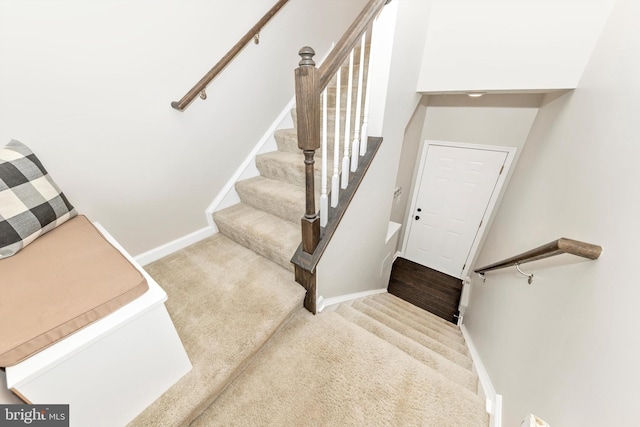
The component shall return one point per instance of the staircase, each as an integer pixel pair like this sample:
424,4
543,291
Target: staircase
234,302
376,361
258,357
242,278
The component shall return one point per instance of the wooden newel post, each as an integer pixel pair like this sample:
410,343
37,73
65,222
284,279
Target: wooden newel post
308,109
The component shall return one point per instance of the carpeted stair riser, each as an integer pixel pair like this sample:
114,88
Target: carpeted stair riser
287,141
394,301
455,341
419,322
278,198
452,371
331,123
289,167
268,235
331,98
415,335
355,71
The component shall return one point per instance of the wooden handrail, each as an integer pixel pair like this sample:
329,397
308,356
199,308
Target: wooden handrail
235,50
348,41
557,247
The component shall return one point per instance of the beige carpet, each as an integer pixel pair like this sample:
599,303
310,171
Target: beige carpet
326,371
259,359
226,302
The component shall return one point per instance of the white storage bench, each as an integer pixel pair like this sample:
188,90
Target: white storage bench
108,364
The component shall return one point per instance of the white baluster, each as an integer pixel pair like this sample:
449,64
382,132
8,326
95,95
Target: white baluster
356,133
347,126
335,179
324,200
364,137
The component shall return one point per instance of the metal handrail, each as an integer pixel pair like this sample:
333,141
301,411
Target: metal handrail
199,87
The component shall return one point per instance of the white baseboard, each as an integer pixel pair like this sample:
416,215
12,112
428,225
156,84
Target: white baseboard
324,303
493,400
175,245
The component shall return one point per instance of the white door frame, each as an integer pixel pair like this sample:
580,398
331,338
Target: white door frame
497,194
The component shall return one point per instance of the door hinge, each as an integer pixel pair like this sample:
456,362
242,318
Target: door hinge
463,268
480,225
501,169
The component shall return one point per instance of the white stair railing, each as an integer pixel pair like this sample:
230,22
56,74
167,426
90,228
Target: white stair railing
365,119
335,178
324,200
347,125
354,144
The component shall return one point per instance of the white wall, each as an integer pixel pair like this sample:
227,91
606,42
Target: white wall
88,85
506,45
566,348
502,120
411,144
353,261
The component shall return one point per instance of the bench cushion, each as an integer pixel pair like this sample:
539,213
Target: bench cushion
60,283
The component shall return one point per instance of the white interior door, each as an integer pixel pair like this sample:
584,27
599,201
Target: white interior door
454,191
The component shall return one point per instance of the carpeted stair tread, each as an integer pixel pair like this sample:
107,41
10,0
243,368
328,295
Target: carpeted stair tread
331,111
287,141
452,371
325,371
268,235
390,299
419,337
288,167
455,341
278,198
212,286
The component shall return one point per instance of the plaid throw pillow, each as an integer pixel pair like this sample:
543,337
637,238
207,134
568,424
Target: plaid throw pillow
30,202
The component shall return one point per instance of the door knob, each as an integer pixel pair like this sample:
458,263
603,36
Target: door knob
419,210
417,217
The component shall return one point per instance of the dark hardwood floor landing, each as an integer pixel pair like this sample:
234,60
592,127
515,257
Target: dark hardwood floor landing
428,289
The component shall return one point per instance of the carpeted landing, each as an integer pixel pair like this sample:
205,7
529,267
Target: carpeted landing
260,359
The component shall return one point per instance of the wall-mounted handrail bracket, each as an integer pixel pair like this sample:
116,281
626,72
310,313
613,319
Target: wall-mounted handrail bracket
482,276
557,247
203,94
529,276
253,33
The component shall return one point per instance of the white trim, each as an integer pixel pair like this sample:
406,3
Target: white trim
324,303
175,245
493,200
396,255
228,190
392,229
493,400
